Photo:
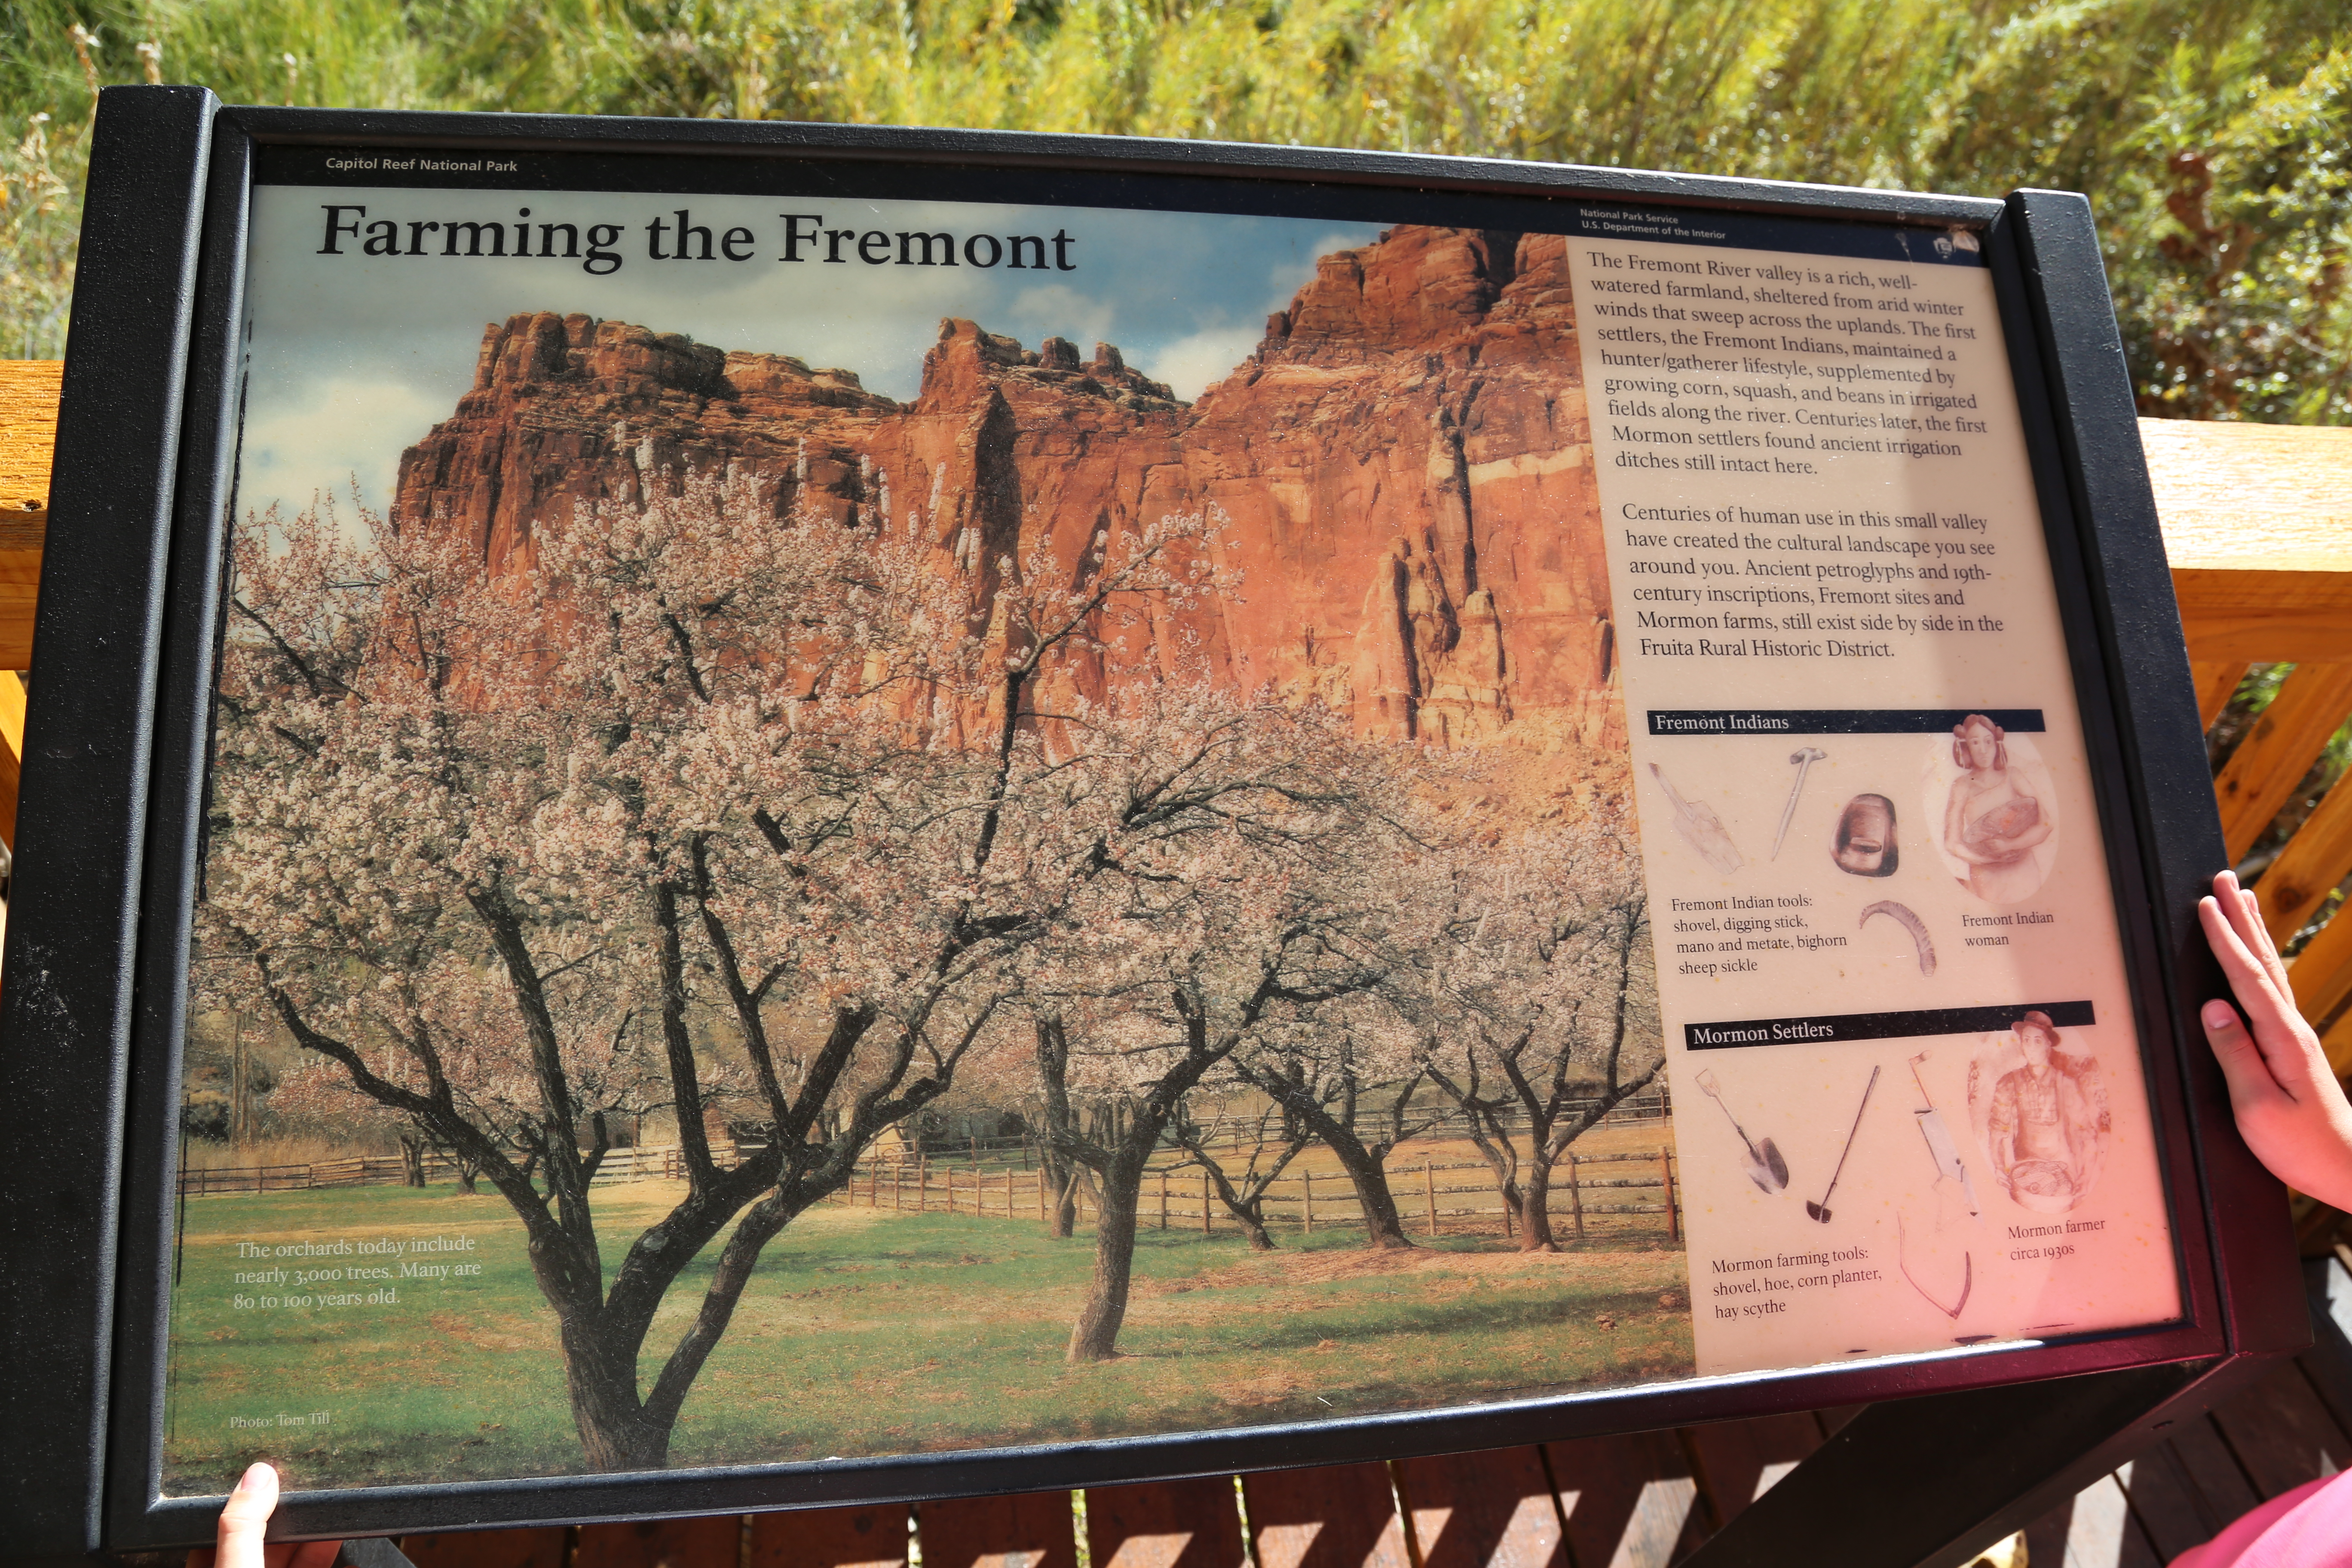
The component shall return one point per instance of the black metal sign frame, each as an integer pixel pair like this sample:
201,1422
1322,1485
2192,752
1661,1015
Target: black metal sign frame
130,623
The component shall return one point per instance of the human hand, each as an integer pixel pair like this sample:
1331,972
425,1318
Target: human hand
241,1524
2288,1104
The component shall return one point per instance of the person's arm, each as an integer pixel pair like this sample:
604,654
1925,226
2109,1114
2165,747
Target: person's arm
242,1522
2288,1104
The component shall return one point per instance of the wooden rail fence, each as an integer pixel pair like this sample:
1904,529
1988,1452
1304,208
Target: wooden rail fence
1183,1196
1174,1195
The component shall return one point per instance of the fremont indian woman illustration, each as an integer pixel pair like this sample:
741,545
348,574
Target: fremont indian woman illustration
1993,819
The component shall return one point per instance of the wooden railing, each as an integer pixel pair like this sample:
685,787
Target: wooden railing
2258,528
2257,525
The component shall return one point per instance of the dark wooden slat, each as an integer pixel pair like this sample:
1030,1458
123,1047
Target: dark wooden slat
1630,1501
1739,1459
1339,1516
1174,1524
1493,1509
1033,1530
715,1541
2171,1507
2328,1362
2282,1434
2221,1480
487,1549
831,1538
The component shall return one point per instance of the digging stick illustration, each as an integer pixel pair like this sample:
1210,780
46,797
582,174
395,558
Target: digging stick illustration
1821,1211
1703,830
1765,1166
1804,757
1930,1240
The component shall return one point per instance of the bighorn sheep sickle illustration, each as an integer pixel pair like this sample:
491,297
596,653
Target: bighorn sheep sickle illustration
1903,917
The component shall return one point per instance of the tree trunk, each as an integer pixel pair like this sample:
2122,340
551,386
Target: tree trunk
412,1160
1363,1164
1095,1336
1367,1172
1062,1219
1249,1212
1535,1205
1061,1125
1383,1226
616,1432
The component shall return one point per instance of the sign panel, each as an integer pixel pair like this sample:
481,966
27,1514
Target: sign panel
1193,702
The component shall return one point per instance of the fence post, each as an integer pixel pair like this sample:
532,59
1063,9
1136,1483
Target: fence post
1674,1220
1204,1204
1163,1200
1429,1192
1041,1193
1307,1179
1576,1195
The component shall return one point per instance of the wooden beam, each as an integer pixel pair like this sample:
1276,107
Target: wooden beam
28,432
2262,615
2321,978
2337,1042
2216,684
2278,752
11,751
2315,860
2258,527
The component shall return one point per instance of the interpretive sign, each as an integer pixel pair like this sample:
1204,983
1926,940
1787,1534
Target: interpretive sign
857,811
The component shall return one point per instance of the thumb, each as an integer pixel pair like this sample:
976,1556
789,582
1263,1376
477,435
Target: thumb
2250,1076
245,1517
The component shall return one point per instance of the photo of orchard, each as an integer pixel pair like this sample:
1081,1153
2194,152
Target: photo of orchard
795,923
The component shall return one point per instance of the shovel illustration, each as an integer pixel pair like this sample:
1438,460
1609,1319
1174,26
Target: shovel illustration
1933,1252
1821,1211
1765,1166
1703,830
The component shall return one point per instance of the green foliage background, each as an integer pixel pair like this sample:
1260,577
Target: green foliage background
2210,137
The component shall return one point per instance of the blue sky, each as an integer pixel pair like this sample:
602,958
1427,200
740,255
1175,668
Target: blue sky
353,358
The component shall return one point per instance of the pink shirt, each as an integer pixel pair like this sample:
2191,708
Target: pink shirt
2310,1526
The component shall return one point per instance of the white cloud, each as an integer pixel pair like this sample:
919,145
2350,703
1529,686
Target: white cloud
317,437
1189,365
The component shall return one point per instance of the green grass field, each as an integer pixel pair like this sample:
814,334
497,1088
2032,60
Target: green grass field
865,1333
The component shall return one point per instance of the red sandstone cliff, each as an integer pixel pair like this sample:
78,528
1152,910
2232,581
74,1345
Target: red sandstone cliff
1404,464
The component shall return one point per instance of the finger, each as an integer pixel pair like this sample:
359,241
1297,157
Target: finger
2250,1076
2265,948
245,1517
2245,912
2288,1048
2249,977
